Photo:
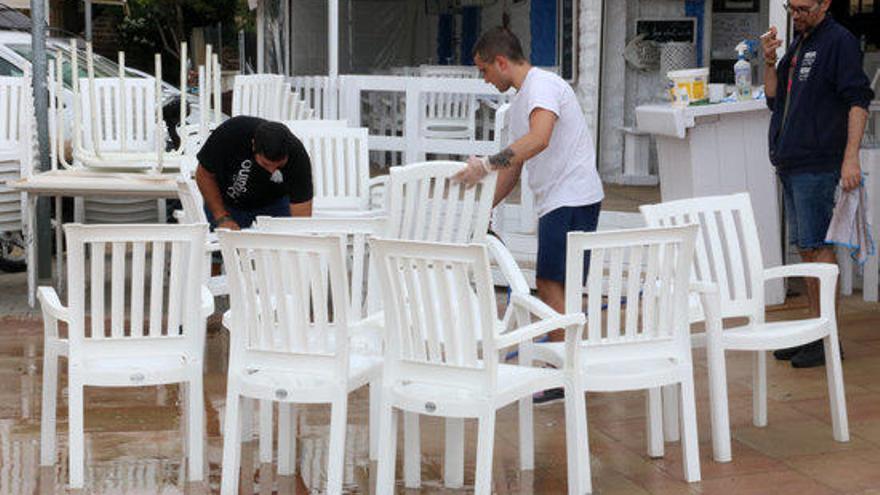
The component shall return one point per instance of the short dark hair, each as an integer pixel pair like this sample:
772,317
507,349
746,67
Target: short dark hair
272,140
499,41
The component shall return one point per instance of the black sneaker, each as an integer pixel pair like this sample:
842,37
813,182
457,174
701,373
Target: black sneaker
787,353
549,396
812,355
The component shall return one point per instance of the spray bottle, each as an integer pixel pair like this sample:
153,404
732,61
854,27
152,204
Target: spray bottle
742,71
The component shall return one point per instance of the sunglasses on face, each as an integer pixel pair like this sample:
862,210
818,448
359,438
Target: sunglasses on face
801,10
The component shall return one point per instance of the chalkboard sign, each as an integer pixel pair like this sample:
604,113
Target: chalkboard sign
683,29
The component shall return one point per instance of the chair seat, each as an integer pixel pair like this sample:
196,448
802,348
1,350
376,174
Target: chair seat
636,374
307,388
146,369
513,383
776,335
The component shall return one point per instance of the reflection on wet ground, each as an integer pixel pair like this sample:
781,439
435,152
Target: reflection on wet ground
133,436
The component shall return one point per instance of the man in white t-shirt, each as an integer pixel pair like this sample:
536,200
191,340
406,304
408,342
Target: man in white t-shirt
549,135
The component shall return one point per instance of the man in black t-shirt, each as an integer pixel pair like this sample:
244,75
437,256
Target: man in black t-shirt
250,167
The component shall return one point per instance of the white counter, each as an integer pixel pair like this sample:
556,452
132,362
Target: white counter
717,149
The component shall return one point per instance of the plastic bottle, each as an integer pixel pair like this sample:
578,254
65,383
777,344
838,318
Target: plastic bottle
742,71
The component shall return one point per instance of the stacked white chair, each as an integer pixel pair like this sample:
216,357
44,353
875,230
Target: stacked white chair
16,152
443,343
283,349
155,335
193,212
425,204
728,256
448,115
259,95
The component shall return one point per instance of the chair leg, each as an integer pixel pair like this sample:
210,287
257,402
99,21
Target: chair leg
834,373
453,462
287,415
266,430
526,415
485,449
412,451
759,389
654,428
48,425
336,455
670,413
526,435
577,441
690,442
196,429
76,411
718,401
375,403
387,447
231,444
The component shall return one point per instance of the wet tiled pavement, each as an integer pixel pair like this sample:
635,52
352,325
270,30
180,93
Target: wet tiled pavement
133,435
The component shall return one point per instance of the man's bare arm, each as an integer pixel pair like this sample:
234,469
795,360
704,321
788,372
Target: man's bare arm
210,192
541,123
850,169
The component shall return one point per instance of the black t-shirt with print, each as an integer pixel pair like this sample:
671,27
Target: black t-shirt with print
228,155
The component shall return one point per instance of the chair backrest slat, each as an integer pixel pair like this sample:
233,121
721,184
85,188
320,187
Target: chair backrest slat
157,281
727,250
138,262
117,298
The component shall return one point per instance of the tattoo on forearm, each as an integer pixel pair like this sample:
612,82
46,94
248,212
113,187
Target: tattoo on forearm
502,159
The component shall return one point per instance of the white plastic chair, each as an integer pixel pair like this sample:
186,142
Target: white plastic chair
440,315
364,299
642,341
16,155
163,284
448,115
259,95
340,168
424,204
284,349
728,255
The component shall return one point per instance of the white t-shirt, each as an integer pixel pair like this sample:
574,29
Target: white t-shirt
564,174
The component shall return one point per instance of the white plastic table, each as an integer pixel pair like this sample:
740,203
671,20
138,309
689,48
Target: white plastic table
82,183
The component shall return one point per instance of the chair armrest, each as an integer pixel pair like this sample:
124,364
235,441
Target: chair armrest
816,270
532,330
825,272
501,255
533,305
51,305
207,302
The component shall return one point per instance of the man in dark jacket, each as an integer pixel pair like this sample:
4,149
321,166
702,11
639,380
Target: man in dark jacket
818,95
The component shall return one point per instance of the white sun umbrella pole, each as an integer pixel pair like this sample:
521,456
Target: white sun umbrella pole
160,122
93,100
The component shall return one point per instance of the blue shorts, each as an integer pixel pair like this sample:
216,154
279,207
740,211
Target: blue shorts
245,218
809,205
553,229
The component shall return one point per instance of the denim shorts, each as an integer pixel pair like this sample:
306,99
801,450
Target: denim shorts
809,205
553,229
